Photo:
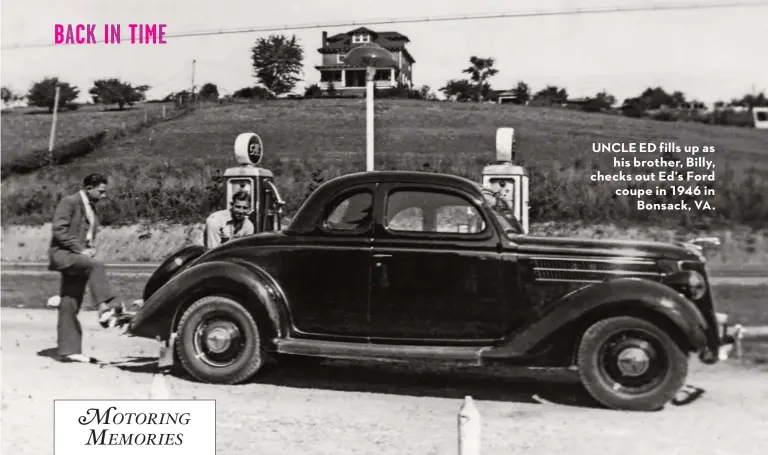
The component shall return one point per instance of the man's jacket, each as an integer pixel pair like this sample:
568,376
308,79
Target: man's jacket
70,229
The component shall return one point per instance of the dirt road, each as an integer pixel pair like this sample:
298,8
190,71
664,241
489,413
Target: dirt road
342,409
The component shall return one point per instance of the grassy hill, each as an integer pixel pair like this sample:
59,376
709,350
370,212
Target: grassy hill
28,129
168,171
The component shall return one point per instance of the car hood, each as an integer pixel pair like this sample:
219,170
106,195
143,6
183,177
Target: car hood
614,248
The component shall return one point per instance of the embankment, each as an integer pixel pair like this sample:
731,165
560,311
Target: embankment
152,243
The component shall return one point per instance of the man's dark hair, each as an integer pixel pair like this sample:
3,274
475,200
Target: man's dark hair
94,180
241,196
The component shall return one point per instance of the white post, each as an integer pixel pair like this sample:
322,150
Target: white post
53,123
738,340
163,111
145,116
370,73
469,428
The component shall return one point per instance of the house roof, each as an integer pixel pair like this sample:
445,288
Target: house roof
342,42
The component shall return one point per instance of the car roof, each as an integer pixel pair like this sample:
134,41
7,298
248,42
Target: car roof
402,177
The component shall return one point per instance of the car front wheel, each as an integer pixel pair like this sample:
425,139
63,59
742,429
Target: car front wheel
219,341
629,363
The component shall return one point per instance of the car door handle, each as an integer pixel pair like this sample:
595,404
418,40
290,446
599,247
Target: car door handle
381,256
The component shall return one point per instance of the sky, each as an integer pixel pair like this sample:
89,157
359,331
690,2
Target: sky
707,54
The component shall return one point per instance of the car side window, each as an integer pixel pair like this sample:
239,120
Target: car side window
432,211
353,212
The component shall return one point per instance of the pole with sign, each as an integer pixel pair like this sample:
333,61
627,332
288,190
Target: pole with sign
371,56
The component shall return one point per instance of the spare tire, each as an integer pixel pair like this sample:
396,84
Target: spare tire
172,265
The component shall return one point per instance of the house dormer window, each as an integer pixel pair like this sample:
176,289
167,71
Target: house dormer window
356,39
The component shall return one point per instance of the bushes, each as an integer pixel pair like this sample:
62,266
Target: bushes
187,193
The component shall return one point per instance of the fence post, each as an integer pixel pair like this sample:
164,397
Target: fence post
738,337
469,428
163,111
145,116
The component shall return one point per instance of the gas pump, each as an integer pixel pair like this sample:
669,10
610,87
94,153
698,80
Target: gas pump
508,180
266,203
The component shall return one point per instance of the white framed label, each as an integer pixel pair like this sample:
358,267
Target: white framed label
128,427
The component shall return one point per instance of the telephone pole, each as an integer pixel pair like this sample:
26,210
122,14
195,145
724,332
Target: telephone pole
192,88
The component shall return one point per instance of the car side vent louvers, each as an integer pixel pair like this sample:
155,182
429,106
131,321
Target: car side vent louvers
591,271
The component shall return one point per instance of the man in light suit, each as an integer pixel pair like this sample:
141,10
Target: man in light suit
72,254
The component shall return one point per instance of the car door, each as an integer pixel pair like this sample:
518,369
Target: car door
328,274
436,269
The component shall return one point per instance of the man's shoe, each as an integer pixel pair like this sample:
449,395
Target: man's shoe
109,318
79,358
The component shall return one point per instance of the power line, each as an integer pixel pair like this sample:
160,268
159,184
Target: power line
577,11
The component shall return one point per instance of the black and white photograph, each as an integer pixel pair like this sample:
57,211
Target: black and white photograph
384,227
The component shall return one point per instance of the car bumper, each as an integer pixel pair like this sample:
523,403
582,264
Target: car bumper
727,337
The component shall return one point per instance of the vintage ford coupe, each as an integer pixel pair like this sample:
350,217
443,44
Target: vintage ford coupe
415,266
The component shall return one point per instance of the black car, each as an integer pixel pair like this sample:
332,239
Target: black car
415,266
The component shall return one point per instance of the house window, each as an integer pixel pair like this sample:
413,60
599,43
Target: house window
330,76
383,75
356,39
340,58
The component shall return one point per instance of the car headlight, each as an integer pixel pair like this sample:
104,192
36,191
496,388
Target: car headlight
697,285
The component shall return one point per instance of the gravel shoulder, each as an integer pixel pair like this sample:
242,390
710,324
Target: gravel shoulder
337,408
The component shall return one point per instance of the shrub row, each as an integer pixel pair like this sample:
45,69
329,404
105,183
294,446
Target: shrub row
188,192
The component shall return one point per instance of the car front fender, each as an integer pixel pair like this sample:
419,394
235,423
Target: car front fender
617,296
251,284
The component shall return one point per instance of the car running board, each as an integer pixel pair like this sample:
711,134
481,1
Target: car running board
380,352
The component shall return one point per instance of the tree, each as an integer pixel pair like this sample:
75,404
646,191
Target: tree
458,89
115,91
522,92
480,71
43,93
550,95
209,91
7,95
751,100
277,62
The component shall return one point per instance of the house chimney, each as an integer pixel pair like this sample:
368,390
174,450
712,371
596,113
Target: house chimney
325,38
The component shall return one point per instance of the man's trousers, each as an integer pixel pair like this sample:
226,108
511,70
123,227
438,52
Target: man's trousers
85,271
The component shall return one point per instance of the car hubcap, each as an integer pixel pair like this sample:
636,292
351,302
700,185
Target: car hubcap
218,342
633,362
219,339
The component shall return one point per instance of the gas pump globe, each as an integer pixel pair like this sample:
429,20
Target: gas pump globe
266,203
507,180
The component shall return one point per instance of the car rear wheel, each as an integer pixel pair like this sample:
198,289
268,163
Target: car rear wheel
219,341
631,364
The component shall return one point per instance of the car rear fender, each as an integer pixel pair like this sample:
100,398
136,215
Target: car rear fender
622,296
249,284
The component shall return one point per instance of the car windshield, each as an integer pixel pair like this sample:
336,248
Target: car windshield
503,213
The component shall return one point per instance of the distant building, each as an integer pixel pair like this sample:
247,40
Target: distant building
346,78
509,97
760,117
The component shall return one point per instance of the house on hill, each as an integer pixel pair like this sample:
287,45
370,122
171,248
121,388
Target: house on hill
350,79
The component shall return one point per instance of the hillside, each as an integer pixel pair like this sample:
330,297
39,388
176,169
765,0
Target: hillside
26,130
166,171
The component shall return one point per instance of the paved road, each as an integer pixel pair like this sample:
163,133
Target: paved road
335,408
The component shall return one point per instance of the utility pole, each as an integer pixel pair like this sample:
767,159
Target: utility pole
53,124
192,88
